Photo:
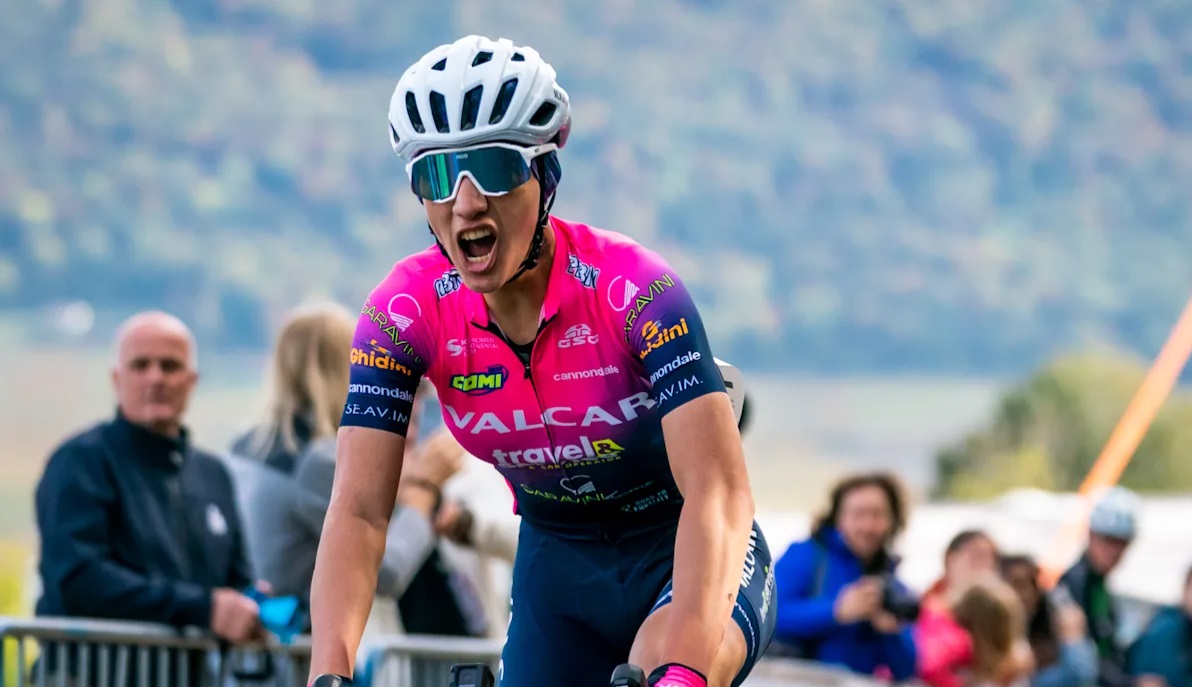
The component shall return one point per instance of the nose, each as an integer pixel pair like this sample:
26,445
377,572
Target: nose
469,201
155,372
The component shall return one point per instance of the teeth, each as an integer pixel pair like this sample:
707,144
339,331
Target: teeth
474,234
481,258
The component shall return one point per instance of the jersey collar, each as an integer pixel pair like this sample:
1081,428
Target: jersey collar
478,311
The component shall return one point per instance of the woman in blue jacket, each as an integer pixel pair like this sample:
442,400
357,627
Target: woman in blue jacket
1163,654
838,600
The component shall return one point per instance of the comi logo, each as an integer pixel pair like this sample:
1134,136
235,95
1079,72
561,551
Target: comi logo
656,337
480,383
578,335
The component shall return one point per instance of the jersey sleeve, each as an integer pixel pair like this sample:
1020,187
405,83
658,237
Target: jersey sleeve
663,330
390,354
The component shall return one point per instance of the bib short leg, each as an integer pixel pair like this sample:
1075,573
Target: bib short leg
577,604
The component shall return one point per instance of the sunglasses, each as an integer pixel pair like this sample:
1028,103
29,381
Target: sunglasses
495,169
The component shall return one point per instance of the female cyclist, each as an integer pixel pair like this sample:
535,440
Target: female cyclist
573,360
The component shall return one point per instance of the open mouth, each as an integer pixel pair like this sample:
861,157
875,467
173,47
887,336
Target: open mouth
477,244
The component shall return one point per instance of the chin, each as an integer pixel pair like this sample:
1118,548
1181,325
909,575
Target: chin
481,283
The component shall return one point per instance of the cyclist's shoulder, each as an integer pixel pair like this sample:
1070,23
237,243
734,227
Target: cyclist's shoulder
606,248
417,272
423,278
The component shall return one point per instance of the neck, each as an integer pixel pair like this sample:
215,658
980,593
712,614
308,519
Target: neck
166,429
516,307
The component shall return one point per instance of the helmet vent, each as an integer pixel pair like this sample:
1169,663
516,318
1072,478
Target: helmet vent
517,57
543,114
438,111
412,113
441,65
504,97
471,108
481,58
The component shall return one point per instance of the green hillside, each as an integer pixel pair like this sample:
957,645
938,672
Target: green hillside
850,185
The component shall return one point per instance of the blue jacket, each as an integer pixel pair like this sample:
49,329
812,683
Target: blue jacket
1164,649
806,616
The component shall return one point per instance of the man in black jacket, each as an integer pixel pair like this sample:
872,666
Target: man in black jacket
136,523
1112,526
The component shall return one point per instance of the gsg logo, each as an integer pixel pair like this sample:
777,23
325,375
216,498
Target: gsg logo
578,335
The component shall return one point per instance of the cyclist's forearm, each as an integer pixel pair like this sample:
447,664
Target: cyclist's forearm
343,587
710,551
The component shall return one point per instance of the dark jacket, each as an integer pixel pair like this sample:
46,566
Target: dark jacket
137,526
1082,583
808,578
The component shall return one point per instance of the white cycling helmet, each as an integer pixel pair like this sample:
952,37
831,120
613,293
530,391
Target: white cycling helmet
1115,514
477,90
734,383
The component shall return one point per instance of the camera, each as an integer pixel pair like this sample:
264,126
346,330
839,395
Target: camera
471,675
899,602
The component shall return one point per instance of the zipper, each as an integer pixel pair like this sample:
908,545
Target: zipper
181,530
526,367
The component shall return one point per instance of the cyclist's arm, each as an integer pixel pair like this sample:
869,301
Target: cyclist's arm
700,430
385,371
714,526
352,543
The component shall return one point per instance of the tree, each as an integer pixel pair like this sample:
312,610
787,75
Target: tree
1048,431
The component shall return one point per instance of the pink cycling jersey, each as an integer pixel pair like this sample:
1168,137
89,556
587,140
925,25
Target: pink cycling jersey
573,422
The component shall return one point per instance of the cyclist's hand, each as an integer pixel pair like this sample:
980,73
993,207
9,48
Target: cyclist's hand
858,601
676,675
1150,681
1070,623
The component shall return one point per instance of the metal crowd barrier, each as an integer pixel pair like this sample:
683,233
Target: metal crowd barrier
74,652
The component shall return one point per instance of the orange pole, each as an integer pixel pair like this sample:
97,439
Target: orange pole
1126,436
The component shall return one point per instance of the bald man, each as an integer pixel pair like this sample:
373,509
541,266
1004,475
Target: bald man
136,523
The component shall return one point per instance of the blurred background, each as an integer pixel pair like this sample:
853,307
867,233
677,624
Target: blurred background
941,238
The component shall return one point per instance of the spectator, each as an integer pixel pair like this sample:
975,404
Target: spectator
308,386
1162,656
945,648
137,523
834,590
991,614
285,482
1112,526
479,531
1056,630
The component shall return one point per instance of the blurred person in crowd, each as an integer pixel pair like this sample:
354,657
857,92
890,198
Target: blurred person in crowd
479,529
1113,524
1056,629
838,599
990,612
1162,655
285,478
308,386
136,522
945,647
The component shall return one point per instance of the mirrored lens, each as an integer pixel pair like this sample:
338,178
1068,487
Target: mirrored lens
494,170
